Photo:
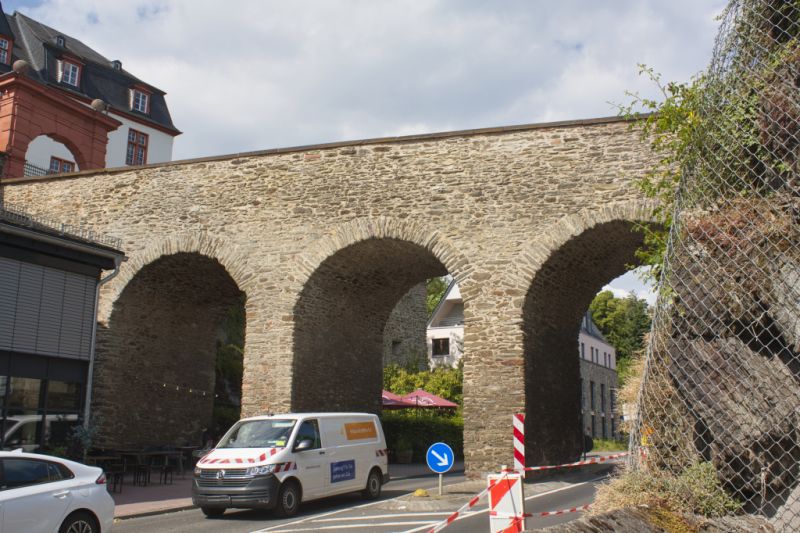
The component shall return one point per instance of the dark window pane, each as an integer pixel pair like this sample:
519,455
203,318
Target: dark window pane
309,431
63,396
21,472
24,393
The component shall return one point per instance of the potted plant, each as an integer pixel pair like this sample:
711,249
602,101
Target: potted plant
403,449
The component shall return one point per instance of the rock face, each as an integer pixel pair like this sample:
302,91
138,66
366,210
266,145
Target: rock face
325,240
731,349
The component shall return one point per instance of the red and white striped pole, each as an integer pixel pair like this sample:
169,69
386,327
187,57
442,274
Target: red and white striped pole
519,442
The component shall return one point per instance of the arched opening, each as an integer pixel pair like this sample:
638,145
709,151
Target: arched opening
340,320
46,155
553,312
157,363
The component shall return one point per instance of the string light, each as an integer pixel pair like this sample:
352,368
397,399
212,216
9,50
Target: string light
189,390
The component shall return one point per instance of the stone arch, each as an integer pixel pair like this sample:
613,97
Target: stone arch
352,279
156,348
565,269
71,147
234,260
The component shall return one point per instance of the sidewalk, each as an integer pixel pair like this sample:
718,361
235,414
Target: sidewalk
136,501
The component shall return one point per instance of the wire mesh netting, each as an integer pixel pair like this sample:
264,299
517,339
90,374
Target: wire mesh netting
722,369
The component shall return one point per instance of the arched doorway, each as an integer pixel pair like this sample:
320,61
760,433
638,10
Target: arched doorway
156,360
340,317
554,307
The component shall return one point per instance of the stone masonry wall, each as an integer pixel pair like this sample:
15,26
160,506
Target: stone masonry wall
404,334
488,206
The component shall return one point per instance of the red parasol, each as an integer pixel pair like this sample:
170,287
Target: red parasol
421,398
391,400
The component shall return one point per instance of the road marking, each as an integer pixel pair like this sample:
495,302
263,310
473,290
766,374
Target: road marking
429,524
381,516
282,527
353,526
315,517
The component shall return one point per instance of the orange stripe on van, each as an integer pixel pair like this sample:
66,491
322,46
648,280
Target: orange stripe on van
360,430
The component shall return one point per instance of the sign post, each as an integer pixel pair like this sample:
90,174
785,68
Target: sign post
440,459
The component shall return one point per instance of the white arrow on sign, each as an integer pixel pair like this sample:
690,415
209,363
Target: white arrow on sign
443,461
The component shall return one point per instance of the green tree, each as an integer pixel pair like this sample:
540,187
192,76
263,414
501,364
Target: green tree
623,322
436,288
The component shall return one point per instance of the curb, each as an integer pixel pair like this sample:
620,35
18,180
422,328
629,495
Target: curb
155,512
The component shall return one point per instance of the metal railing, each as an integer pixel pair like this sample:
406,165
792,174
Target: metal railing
17,215
32,170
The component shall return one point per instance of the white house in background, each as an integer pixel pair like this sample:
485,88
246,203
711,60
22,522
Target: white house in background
446,329
598,361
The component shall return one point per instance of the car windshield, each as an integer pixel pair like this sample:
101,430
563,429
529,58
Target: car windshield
258,434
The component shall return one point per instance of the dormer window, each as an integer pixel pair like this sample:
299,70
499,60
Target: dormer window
69,73
5,51
140,101
60,41
116,64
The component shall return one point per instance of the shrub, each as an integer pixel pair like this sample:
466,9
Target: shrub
423,429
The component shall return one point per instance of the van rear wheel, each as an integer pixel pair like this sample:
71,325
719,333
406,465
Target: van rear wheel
373,488
288,499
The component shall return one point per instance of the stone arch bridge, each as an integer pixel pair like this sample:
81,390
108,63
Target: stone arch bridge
323,240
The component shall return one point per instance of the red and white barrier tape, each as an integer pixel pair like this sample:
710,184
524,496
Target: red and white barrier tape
543,513
450,519
593,460
565,511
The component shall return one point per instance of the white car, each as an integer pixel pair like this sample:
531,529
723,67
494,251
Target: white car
45,494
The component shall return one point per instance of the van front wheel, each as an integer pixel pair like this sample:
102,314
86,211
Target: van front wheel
288,499
373,489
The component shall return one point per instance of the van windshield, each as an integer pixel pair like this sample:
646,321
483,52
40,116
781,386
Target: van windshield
258,434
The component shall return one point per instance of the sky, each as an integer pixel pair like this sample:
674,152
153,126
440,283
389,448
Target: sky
246,75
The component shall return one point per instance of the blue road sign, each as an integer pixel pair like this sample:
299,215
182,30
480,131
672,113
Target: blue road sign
440,457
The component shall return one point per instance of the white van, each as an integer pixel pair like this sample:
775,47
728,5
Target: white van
278,461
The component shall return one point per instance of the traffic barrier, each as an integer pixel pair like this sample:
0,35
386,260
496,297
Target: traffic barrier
519,441
506,503
593,460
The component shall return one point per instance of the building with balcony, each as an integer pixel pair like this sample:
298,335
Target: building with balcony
64,107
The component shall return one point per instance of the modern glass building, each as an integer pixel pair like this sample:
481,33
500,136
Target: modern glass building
49,279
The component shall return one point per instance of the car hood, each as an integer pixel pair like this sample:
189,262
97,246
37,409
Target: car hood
240,456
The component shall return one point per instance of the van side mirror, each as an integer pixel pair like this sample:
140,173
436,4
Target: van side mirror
305,444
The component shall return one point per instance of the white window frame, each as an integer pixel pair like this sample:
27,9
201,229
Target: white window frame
140,101
69,69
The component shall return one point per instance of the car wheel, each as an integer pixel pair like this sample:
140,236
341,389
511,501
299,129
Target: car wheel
373,489
79,523
288,499
213,512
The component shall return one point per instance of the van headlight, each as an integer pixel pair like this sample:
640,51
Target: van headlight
260,470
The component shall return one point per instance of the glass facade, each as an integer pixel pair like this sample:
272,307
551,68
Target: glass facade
41,399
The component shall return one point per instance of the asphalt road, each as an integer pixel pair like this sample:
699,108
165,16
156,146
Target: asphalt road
351,513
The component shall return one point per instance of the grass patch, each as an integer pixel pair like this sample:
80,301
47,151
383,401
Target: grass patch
609,445
668,497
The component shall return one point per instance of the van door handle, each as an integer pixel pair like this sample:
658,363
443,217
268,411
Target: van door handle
322,453
61,495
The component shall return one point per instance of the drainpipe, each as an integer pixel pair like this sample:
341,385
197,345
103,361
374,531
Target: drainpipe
88,407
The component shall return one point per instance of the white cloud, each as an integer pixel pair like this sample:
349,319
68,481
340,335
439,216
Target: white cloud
247,75
633,282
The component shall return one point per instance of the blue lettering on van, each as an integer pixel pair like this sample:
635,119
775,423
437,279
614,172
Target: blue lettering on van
342,471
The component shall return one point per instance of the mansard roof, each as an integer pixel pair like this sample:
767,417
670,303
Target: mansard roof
37,44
